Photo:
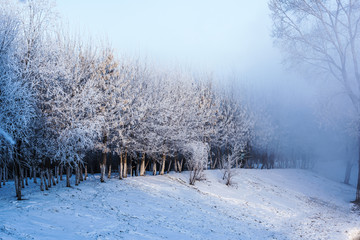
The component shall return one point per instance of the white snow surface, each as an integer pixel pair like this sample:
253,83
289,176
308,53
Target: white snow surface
263,204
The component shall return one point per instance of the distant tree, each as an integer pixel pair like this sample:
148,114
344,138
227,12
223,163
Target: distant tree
350,160
325,35
336,113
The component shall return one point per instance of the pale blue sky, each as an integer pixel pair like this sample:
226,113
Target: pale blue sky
212,35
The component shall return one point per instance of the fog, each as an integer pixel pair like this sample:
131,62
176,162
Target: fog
232,40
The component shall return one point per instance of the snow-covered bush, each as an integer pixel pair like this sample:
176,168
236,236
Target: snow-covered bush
230,162
197,153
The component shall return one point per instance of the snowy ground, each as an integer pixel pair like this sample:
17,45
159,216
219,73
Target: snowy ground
264,204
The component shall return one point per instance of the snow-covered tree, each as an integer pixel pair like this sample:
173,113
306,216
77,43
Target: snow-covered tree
17,112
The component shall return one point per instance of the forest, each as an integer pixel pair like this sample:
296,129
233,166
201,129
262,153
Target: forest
69,107
96,143
72,106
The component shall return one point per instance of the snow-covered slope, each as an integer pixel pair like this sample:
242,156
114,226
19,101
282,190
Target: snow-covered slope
263,204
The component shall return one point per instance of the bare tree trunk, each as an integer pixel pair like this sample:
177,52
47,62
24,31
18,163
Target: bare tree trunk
180,165
142,165
86,172
154,167
348,172
4,176
1,175
357,200
41,180
163,164
160,166
77,175
176,164
48,177
52,177
102,172
137,168
131,167
45,178
34,174
18,171
169,167
125,165
17,180
103,159
102,167
121,166
215,163
81,177
26,177
21,181
212,166
68,176
219,157
109,173
61,172
92,168
22,177
57,174
110,163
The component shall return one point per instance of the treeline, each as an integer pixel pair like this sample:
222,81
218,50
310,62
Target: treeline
68,106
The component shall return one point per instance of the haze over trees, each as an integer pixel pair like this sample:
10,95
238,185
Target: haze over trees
324,35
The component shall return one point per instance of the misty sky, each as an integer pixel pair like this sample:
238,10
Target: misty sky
211,35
